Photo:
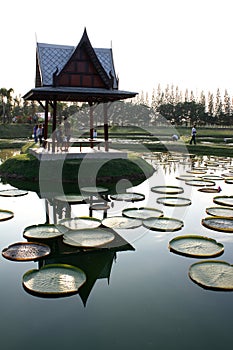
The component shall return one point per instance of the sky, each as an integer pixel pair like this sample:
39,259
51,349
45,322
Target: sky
185,43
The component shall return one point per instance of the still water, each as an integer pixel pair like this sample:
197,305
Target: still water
142,297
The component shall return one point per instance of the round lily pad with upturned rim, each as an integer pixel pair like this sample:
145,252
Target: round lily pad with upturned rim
15,192
43,231
142,213
196,171
128,197
186,177
196,246
174,201
93,190
229,181
212,177
163,224
167,189
218,223
224,200
220,211
212,274
121,222
200,182
26,251
54,280
6,215
89,238
209,190
80,223
71,198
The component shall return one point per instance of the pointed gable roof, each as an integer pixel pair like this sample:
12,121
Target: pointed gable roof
81,73
81,66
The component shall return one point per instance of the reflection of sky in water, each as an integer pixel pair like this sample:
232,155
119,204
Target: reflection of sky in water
149,302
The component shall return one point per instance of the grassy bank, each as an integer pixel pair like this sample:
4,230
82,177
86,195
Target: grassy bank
26,168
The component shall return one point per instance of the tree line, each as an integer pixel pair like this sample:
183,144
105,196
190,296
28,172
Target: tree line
164,105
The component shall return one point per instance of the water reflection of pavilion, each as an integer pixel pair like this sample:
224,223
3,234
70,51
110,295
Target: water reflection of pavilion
95,262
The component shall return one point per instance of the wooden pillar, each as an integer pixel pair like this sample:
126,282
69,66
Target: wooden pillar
105,110
54,125
91,123
46,120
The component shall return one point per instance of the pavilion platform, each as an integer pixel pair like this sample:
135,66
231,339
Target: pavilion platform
75,153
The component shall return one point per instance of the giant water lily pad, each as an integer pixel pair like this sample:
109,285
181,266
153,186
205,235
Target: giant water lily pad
212,274
196,171
6,215
229,181
142,213
212,177
218,223
71,198
174,201
167,189
163,224
209,190
121,222
93,190
54,279
43,231
80,223
224,200
196,246
220,211
88,238
14,192
128,197
26,251
185,177
200,182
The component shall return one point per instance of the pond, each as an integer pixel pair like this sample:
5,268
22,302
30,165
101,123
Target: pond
139,293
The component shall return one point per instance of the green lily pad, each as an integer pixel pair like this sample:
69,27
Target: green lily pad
200,182
93,190
174,201
128,197
71,198
80,223
142,213
88,238
26,251
196,246
6,215
212,177
208,190
218,223
167,189
196,171
121,222
163,224
212,274
229,181
220,211
54,279
224,200
43,231
15,192
185,177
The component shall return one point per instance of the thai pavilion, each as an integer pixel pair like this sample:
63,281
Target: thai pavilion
75,74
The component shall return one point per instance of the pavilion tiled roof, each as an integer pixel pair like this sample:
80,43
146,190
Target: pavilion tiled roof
81,73
54,57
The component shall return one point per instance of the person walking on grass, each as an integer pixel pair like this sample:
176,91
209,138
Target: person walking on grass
193,135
